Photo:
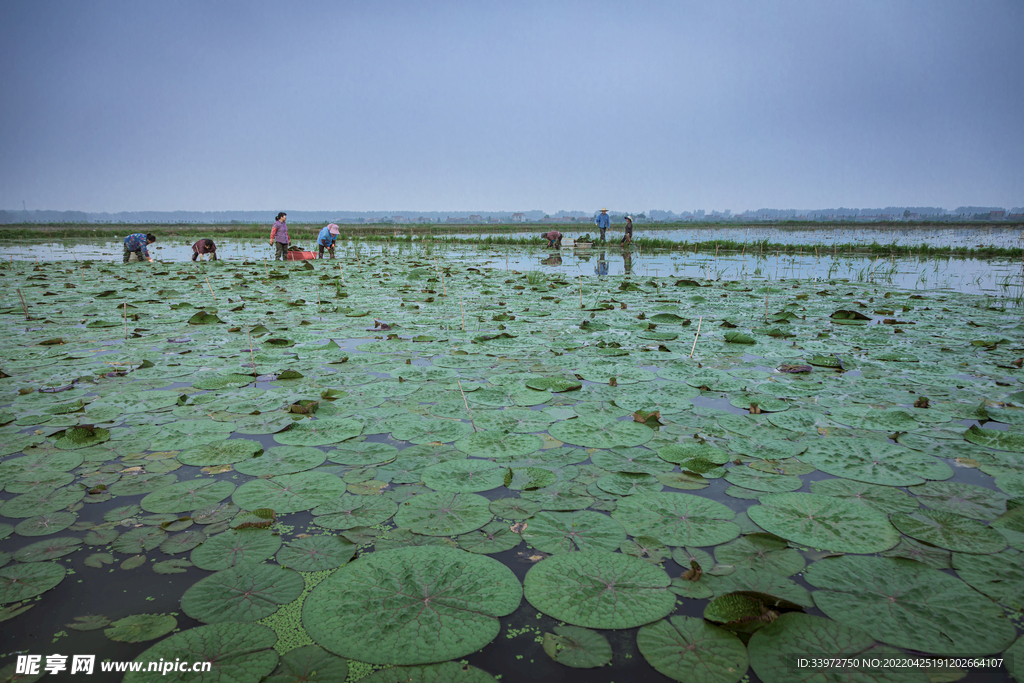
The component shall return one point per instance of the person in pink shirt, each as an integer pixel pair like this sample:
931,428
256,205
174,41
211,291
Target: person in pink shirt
203,247
279,237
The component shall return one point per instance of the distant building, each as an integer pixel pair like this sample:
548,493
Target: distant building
518,217
997,215
475,219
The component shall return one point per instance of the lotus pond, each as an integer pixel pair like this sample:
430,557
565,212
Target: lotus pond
401,467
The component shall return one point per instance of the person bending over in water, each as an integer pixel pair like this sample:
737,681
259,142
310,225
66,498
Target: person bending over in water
136,244
203,247
554,239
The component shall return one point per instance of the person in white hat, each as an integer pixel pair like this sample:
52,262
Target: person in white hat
325,240
628,237
602,222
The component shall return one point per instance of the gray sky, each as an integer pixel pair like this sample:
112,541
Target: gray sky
434,106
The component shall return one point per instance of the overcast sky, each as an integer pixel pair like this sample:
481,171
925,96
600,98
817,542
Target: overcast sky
515,105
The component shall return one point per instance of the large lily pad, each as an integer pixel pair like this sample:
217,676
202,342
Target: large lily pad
319,432
187,495
562,532
138,628
282,460
231,547
907,604
950,531
874,462
691,649
578,647
823,522
597,433
677,519
22,581
239,653
348,511
773,650
289,492
599,589
223,453
316,553
467,476
245,592
762,552
444,514
440,604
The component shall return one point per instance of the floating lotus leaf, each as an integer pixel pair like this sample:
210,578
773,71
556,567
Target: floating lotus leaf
494,537
599,589
950,531
22,581
441,603
444,514
556,384
139,628
874,462
756,480
677,519
594,433
514,508
316,553
138,540
41,502
289,492
773,648
282,460
245,592
363,453
690,649
909,605
823,522
429,431
563,495
223,453
232,547
212,514
529,478
995,438
348,511
924,553
134,483
82,437
185,434
49,549
562,532
136,401
885,499
578,647
894,420
640,460
499,444
770,588
183,542
976,502
187,495
309,663
683,453
464,475
43,525
319,432
628,483
997,576
241,653
763,552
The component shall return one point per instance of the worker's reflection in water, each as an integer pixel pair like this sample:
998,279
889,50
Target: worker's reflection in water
627,262
553,260
602,265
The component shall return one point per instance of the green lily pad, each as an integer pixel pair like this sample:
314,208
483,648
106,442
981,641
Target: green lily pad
996,438
677,519
49,549
187,495
467,476
823,522
41,502
223,453
444,514
316,553
282,460
22,581
43,525
874,462
690,649
773,648
885,499
245,592
348,511
599,589
493,537
227,549
289,492
320,432
562,532
442,604
578,647
363,453
763,552
909,605
596,433
138,540
950,531
310,663
139,628
241,653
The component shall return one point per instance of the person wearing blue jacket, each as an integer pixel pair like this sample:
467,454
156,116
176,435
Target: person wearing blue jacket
602,221
326,239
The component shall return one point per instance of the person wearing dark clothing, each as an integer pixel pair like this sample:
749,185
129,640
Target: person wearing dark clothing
279,237
628,237
136,244
203,247
554,239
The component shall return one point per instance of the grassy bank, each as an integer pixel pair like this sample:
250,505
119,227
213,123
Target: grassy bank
518,235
